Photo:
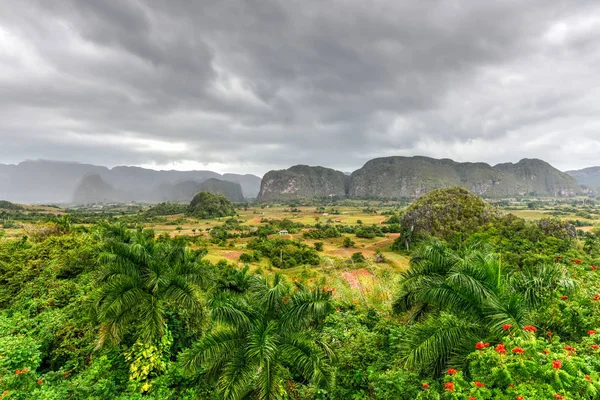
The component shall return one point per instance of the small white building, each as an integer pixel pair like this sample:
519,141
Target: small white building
283,232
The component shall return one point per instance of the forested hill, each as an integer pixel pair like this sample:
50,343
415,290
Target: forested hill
44,181
409,177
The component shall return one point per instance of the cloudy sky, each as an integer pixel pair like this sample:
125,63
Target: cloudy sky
248,86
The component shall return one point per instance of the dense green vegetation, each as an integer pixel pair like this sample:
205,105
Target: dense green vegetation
503,308
7,205
166,209
444,212
208,205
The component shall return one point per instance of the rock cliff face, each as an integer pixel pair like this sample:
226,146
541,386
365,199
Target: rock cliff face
397,177
410,177
302,181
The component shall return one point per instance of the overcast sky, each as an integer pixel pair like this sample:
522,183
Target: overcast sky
253,85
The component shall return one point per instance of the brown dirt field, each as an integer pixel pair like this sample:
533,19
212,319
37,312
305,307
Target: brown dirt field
346,253
233,255
353,277
383,243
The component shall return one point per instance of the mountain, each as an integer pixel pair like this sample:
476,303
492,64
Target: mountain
45,181
588,176
410,177
93,189
302,181
231,190
185,191
397,177
250,183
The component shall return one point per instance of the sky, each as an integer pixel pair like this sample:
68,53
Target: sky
250,86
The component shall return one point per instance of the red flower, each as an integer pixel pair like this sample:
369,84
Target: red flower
569,348
487,344
519,398
506,327
593,268
511,386
39,381
597,297
338,309
529,328
479,384
564,297
452,371
449,386
472,398
594,346
501,349
545,351
425,385
480,346
589,378
18,372
557,364
518,350
591,332
558,396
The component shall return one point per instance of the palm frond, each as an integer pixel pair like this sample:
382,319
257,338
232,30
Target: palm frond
432,345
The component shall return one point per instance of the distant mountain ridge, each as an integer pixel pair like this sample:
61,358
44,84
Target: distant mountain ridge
409,177
57,181
93,189
588,176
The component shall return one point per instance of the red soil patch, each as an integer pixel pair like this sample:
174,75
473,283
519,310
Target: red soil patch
353,277
256,220
234,255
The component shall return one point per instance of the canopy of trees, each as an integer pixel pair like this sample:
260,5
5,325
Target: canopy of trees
443,212
208,205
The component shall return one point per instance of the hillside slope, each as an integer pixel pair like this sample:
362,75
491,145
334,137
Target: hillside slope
303,181
410,177
399,177
588,176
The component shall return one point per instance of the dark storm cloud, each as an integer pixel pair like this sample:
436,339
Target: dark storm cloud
253,85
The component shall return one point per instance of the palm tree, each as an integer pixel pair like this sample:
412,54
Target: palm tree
462,298
259,336
139,277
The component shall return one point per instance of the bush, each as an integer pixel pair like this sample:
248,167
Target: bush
357,257
348,242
